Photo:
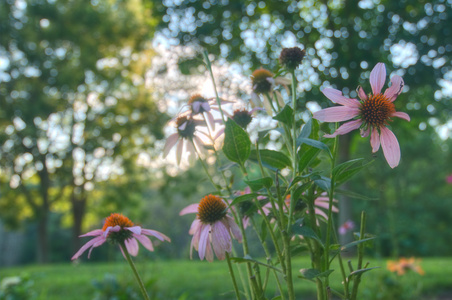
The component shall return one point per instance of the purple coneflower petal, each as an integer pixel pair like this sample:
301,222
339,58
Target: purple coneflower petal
134,229
336,97
209,252
112,229
132,246
195,107
395,89
156,234
203,240
145,241
377,78
375,140
206,106
345,128
170,142
210,121
96,232
180,147
361,94
89,244
390,145
401,115
221,240
96,244
336,114
365,132
194,226
234,228
192,208
320,212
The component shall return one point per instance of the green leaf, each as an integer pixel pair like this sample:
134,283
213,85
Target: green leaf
305,231
349,245
227,167
300,190
323,182
285,115
345,165
237,144
307,157
248,258
272,158
361,271
305,131
243,198
258,184
315,144
314,273
354,195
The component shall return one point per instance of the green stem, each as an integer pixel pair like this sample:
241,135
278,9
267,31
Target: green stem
135,272
357,279
209,67
294,146
231,272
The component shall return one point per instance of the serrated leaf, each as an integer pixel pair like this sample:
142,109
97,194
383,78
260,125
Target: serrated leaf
285,116
315,144
258,184
237,144
272,158
307,157
243,198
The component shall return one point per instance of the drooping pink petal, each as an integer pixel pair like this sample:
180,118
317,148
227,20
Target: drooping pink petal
132,246
156,234
170,142
196,236
179,149
336,114
390,145
96,244
95,232
195,107
377,78
145,241
209,252
192,208
206,106
395,89
112,229
336,97
210,121
365,132
221,240
203,241
234,228
320,212
194,226
89,244
345,128
401,115
361,94
134,229
375,140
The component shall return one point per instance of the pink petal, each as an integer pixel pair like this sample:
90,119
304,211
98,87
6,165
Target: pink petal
336,114
89,244
179,149
395,89
145,241
132,246
112,229
401,115
336,97
365,133
195,107
192,208
209,253
196,236
390,145
375,140
134,229
221,240
234,228
194,226
377,78
96,232
210,121
345,128
203,241
156,234
170,142
206,106
361,94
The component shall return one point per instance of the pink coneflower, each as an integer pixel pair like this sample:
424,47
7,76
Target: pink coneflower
449,179
120,230
212,226
346,227
186,137
371,114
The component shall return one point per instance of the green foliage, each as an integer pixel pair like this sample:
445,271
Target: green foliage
237,144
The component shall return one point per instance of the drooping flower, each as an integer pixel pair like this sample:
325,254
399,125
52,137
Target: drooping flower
120,230
346,227
213,227
263,83
186,137
371,115
291,58
402,265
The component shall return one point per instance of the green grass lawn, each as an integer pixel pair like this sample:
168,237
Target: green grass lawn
196,279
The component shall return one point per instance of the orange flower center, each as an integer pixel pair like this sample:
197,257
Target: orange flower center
260,83
117,219
196,98
211,209
376,110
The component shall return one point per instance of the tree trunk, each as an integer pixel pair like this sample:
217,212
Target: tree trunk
42,249
78,212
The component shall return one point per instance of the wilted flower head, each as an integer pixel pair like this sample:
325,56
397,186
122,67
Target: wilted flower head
291,58
118,229
212,226
262,81
372,114
403,265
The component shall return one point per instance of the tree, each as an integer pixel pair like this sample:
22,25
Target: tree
72,102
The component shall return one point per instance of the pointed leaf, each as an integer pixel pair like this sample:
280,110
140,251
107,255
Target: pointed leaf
243,198
272,158
258,184
307,157
306,130
315,144
285,115
237,144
